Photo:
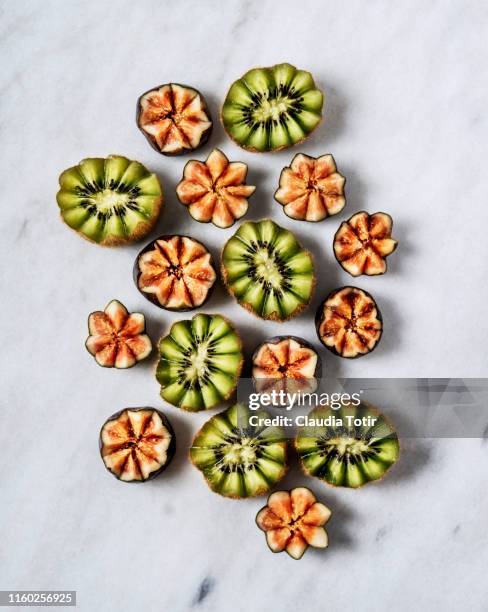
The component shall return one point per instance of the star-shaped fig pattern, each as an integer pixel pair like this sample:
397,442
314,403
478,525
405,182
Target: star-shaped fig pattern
293,521
215,190
362,243
117,338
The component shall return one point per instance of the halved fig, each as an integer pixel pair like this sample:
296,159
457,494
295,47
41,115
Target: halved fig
349,322
174,118
117,338
286,363
137,444
347,446
293,521
238,458
215,190
362,243
311,189
175,272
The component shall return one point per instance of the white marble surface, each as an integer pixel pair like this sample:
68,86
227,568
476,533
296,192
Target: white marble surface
406,122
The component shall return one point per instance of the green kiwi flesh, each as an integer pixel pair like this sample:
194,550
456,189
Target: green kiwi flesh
272,108
200,362
239,459
336,448
267,270
110,201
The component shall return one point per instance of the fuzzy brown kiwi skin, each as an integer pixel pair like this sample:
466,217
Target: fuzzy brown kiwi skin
385,259
171,448
238,371
150,296
260,492
305,220
186,206
273,317
318,321
205,136
303,343
367,482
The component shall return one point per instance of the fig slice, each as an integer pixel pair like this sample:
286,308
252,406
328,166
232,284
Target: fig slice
137,444
349,323
175,272
285,363
362,243
311,188
117,338
215,190
174,118
293,521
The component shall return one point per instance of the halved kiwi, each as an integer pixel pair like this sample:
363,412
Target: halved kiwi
239,459
286,363
273,108
110,201
358,447
175,272
363,242
117,338
200,362
349,323
174,118
137,444
293,521
267,270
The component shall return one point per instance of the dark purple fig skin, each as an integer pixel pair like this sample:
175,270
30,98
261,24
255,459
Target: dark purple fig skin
301,342
205,136
171,448
318,321
150,296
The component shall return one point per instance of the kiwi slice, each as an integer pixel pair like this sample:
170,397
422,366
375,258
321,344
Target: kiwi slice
273,108
110,201
200,362
174,118
239,459
347,447
349,322
267,270
175,272
293,521
137,444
